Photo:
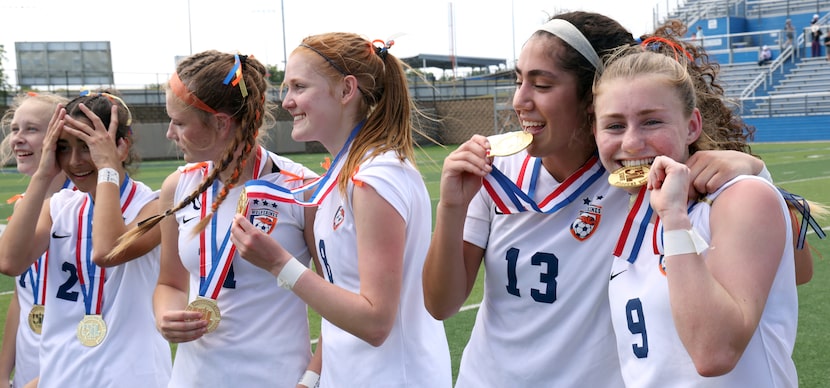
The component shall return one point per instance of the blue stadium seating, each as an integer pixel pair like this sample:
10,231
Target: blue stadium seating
786,100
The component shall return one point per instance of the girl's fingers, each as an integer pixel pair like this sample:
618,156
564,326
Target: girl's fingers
113,127
96,121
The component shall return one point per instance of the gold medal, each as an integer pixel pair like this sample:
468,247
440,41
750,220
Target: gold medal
242,203
92,330
36,318
635,176
508,143
209,310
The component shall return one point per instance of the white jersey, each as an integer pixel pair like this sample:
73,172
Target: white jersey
649,347
133,353
544,320
416,353
27,342
263,338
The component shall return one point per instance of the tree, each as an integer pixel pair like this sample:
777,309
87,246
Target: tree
4,84
275,76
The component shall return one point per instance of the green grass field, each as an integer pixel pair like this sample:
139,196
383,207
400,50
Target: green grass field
802,168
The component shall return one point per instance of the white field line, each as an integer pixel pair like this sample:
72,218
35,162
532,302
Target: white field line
803,180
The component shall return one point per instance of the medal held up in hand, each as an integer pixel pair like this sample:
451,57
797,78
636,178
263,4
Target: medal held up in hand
209,310
242,204
635,176
509,143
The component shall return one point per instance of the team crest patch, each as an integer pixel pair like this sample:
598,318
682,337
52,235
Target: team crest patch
586,223
339,217
662,263
264,219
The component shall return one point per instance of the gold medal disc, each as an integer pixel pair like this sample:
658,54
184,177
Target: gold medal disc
36,318
509,143
635,176
209,310
92,330
242,203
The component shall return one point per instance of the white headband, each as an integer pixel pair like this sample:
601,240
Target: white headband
574,38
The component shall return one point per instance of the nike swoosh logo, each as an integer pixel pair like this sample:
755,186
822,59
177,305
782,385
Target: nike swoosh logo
613,275
56,235
186,220
499,212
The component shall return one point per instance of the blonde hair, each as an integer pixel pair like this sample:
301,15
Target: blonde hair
676,70
692,78
6,121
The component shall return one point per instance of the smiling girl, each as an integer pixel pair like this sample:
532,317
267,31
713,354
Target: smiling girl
709,299
98,307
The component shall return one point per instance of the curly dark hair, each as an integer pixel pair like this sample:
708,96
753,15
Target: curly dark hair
723,129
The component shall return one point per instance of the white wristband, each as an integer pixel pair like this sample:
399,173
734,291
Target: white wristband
291,271
681,242
108,175
310,379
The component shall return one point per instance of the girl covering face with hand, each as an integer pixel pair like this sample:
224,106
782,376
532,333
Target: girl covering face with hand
25,125
98,305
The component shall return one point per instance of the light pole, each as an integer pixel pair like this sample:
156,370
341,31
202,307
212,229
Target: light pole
284,51
189,29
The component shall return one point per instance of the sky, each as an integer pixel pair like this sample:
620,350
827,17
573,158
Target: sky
146,36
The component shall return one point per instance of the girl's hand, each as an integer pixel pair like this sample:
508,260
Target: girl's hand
669,182
257,247
181,326
99,139
463,170
712,169
48,165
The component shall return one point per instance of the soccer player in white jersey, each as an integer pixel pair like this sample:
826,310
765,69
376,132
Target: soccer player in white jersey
544,319
706,298
96,329
233,324
372,228
24,126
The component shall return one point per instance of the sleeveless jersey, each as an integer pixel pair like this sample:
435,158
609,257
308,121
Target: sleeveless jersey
133,353
416,353
649,347
263,338
544,320
27,342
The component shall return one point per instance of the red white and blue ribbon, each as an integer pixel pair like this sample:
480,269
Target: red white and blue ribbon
90,276
37,278
213,272
516,197
634,230
220,252
323,185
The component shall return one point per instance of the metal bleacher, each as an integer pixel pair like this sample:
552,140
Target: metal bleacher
804,90
735,77
785,100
